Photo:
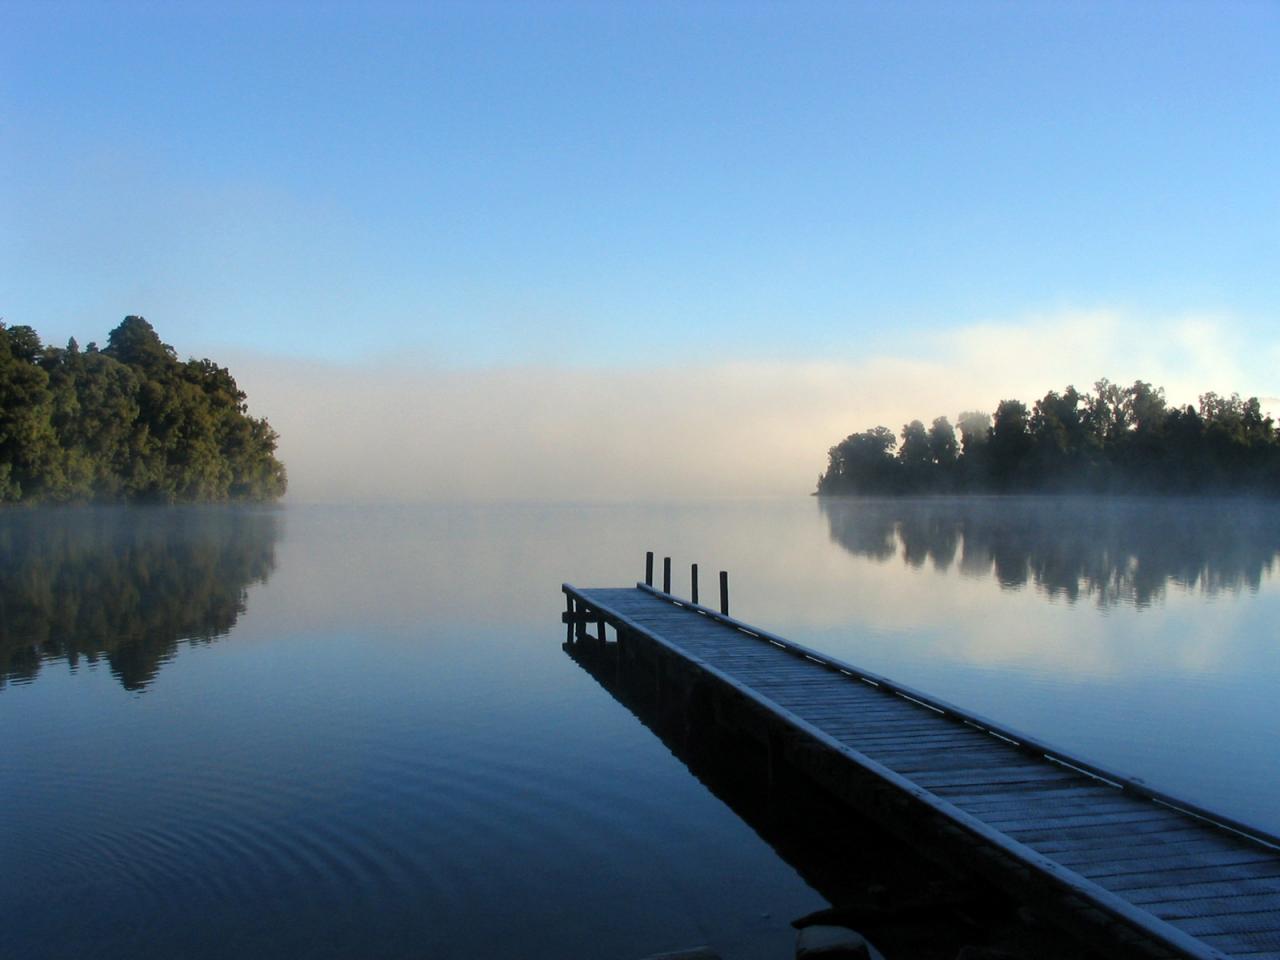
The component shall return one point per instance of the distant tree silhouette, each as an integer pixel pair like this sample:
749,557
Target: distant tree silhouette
914,456
942,443
863,463
1121,439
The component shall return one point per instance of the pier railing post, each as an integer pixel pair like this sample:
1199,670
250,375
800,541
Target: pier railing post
648,569
693,583
666,574
724,593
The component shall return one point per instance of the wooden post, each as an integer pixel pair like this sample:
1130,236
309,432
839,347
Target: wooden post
648,569
724,592
693,583
600,624
568,632
666,574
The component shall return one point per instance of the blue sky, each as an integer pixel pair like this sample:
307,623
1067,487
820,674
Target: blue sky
597,183
449,248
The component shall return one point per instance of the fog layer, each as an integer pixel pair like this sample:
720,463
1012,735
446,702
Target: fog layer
410,429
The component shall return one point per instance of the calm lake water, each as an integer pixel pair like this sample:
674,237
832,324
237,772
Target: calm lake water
339,732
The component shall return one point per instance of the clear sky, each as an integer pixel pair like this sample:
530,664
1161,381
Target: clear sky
551,187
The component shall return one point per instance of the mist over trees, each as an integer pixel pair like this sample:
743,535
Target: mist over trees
1113,439
129,422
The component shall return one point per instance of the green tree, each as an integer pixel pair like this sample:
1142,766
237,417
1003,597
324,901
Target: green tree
975,431
861,463
130,422
1010,444
942,443
31,462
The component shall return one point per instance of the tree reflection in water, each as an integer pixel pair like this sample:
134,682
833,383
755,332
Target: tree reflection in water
125,585
1113,551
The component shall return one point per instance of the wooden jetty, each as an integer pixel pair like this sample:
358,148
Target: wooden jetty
1131,870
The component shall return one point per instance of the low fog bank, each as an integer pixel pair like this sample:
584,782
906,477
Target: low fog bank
409,430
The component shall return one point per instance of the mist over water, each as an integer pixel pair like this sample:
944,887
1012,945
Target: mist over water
339,731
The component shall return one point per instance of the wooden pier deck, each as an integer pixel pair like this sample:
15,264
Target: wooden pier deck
1153,876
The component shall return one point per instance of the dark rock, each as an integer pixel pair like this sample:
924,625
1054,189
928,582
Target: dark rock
984,953
823,942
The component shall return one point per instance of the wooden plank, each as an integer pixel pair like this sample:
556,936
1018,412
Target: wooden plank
1268,873
870,702
1008,808
1038,797
1255,921
941,732
1199,890
1002,809
884,708
1096,798
1214,906
1018,826
889,743
992,778
1079,785
1258,941
900,723
875,719
1200,849
885,732
1137,872
1056,838
1108,838
973,759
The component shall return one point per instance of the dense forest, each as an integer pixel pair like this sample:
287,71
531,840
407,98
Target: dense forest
129,422
1113,439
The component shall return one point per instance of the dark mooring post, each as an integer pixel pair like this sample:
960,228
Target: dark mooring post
724,592
666,574
693,583
648,569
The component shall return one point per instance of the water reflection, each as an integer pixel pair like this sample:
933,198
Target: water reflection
124,585
1110,550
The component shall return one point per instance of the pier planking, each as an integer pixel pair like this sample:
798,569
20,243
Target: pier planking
1189,882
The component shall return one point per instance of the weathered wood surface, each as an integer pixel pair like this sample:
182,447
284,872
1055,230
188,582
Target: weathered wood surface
1198,885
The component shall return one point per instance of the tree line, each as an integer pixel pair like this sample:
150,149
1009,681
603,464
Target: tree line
129,422
1112,439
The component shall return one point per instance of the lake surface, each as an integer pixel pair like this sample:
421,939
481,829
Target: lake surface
340,731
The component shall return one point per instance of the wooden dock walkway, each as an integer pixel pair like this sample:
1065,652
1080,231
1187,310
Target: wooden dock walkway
1147,874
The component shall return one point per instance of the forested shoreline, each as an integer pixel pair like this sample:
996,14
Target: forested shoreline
127,423
1111,439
